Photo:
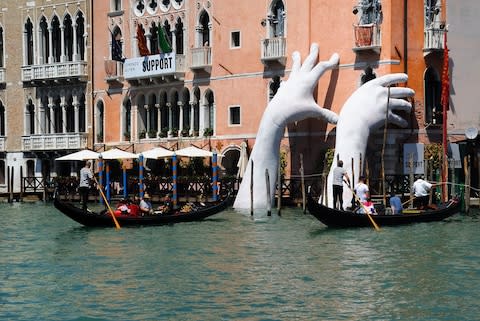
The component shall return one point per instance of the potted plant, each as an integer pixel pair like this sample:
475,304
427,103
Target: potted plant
208,132
126,136
100,137
142,134
163,132
152,133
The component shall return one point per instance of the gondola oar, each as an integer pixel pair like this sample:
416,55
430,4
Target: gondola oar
106,202
375,226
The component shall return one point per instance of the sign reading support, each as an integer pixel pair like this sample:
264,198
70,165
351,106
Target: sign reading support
416,153
148,66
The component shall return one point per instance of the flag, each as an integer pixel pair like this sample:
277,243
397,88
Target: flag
445,77
445,101
117,54
142,42
163,41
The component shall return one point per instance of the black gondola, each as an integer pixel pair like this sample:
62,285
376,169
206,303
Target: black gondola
104,218
340,219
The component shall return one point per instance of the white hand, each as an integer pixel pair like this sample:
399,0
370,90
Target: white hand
293,102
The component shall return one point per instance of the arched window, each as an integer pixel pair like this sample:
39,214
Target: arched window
186,111
368,75
2,48
152,115
82,115
154,39
57,115
44,35
273,87
2,172
127,119
31,118
2,119
276,19
164,113
68,37
80,35
56,40
370,12
204,30
432,12
196,111
70,115
29,42
433,108
176,114
210,101
100,121
179,37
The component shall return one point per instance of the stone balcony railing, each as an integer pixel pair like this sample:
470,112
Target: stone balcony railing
39,142
54,71
2,75
434,38
2,144
273,50
367,37
201,58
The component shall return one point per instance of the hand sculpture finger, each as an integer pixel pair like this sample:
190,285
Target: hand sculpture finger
323,66
311,59
397,120
388,80
399,105
296,62
401,92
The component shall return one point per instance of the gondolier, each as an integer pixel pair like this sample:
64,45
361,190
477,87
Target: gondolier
339,173
421,189
84,185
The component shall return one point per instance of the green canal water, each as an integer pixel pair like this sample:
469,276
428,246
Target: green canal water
230,267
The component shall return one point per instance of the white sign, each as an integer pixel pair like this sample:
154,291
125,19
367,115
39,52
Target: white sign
416,153
454,160
148,66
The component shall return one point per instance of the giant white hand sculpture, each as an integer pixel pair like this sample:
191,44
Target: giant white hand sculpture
292,102
363,112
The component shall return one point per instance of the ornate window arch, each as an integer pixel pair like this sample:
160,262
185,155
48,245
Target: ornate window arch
433,88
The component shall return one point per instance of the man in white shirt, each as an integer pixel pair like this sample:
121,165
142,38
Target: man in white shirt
338,174
362,190
84,185
421,190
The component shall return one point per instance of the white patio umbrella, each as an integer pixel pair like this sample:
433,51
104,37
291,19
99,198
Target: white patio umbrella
116,153
85,154
156,153
193,151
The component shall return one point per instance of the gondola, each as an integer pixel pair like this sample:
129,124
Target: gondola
344,219
104,218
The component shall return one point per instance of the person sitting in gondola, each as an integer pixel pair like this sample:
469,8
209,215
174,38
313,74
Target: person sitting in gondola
122,208
145,205
166,206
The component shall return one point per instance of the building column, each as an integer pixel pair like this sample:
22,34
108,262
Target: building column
159,118
180,118
148,37
202,120
170,119
63,58
52,118
50,45
147,126
174,39
63,106
134,134
192,117
25,51
41,116
76,108
75,48
40,59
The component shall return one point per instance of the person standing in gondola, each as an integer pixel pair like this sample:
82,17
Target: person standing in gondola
84,185
339,173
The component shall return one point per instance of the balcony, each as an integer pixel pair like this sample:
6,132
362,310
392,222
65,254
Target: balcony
113,71
55,72
367,38
154,68
39,142
201,59
273,50
2,144
434,38
2,75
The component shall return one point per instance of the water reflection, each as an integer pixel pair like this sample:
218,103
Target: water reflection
231,267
